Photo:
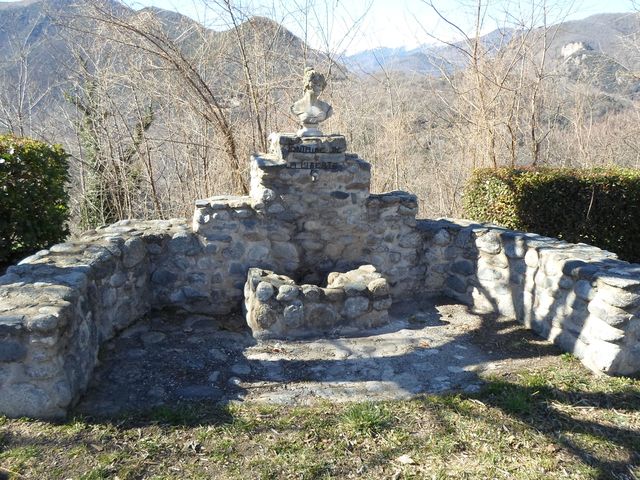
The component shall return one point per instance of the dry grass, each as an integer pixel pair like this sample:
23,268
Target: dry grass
559,421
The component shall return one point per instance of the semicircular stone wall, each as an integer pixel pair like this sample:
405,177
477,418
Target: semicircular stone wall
309,213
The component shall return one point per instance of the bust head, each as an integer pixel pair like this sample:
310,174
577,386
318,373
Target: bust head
313,81
310,110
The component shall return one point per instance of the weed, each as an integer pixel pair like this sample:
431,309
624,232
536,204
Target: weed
98,473
366,418
174,415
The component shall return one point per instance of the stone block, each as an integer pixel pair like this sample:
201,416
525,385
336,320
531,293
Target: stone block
184,243
623,278
489,243
614,316
293,315
355,306
287,293
531,258
488,274
134,251
442,238
584,290
565,282
463,267
339,195
163,277
27,400
264,291
312,293
382,303
378,288
618,297
456,284
257,253
12,351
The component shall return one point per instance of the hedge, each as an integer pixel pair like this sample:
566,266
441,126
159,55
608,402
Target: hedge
596,206
33,200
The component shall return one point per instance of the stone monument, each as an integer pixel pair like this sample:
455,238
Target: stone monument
310,251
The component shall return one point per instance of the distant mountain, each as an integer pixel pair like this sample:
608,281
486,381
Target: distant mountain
608,39
426,59
38,50
610,34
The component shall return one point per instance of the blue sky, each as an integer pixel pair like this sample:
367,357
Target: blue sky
390,23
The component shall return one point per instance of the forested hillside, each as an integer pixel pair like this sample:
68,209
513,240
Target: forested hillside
158,110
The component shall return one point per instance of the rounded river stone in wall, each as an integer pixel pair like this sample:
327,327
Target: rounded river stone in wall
378,287
355,306
311,292
287,293
294,314
321,316
264,316
12,351
264,291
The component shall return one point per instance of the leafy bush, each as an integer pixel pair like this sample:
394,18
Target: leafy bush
596,206
33,200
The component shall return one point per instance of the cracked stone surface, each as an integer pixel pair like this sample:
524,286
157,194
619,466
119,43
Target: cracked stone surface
430,347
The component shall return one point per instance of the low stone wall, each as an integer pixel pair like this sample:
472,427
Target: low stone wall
58,306
278,308
309,213
582,298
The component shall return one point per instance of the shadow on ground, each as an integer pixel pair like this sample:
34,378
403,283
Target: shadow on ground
429,347
185,370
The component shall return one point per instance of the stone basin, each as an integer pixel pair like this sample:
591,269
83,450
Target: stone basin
276,307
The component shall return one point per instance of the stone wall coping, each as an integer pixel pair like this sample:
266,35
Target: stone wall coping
224,202
265,160
395,196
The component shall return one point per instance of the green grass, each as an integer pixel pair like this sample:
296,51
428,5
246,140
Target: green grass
559,421
366,419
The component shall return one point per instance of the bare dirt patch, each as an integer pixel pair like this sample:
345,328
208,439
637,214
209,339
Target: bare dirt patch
431,346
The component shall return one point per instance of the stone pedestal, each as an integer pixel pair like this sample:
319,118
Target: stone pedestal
309,213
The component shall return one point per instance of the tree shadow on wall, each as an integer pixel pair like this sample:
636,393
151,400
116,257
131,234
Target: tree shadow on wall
559,314
554,311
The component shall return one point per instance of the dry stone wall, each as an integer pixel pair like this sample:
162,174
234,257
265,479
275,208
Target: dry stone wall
276,307
582,298
58,306
309,213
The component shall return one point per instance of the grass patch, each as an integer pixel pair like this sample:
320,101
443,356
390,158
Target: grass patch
556,422
366,418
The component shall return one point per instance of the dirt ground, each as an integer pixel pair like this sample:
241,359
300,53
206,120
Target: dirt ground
429,346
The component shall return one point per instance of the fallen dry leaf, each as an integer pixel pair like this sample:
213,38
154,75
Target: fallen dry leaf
405,460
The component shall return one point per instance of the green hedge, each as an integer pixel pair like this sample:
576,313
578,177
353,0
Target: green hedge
597,206
33,200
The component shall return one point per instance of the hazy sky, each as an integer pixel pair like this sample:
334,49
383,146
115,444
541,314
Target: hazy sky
390,23
394,23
